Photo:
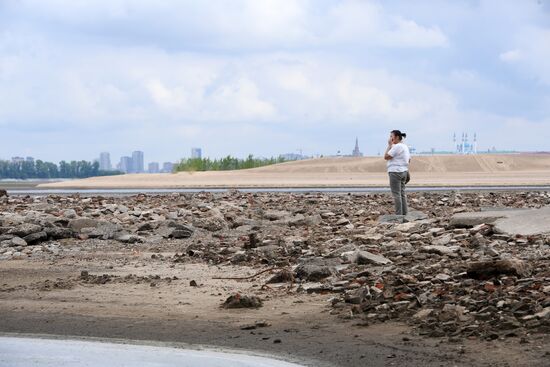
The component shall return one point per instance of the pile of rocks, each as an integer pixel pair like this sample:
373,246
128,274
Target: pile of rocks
442,276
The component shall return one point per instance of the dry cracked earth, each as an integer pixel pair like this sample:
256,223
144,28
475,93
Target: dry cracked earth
321,279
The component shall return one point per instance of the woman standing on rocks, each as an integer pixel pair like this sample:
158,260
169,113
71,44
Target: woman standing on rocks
398,157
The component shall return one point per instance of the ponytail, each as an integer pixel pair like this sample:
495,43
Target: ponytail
399,134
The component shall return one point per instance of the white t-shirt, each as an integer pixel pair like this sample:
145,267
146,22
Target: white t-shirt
401,157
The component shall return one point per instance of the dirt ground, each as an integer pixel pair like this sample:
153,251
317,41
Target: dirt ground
48,297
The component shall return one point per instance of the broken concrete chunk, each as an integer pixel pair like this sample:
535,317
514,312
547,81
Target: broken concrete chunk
365,257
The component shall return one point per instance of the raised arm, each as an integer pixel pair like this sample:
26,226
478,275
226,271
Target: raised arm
386,155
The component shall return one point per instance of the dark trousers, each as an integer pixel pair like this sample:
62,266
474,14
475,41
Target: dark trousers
397,187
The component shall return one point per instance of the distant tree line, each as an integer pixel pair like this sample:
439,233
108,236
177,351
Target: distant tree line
224,164
40,169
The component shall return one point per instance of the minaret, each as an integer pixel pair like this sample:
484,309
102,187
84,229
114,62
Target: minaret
356,152
454,142
475,144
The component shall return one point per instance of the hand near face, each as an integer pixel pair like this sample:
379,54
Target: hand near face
390,140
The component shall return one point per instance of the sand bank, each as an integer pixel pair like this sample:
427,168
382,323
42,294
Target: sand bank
442,170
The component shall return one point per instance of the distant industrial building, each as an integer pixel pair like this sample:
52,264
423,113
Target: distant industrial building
30,159
167,167
125,164
137,162
105,161
17,159
196,153
356,152
153,167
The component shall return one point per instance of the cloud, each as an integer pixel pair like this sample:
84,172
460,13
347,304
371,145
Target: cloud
311,73
511,56
532,53
222,25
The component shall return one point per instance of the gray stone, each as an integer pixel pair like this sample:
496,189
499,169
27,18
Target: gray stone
242,301
213,223
79,223
70,213
58,232
391,218
128,238
339,251
511,222
443,240
104,230
415,215
544,314
18,241
343,222
407,227
489,269
182,231
276,214
34,238
25,229
314,270
423,314
368,238
441,250
365,257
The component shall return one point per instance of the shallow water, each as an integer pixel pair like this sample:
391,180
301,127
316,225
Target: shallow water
26,352
123,192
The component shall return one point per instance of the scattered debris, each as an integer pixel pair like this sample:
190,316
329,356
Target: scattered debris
437,269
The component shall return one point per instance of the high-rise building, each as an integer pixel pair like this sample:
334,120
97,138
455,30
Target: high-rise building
196,153
17,159
29,159
153,167
125,164
105,161
137,162
167,167
356,152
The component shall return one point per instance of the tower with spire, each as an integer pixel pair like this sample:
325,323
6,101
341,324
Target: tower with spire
464,146
356,152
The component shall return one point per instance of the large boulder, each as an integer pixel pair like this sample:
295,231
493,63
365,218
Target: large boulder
36,238
525,222
25,229
313,270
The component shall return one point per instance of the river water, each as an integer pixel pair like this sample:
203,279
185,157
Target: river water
34,352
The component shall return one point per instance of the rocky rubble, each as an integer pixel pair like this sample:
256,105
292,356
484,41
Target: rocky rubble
443,279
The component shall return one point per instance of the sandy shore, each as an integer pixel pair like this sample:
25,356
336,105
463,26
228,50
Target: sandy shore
480,170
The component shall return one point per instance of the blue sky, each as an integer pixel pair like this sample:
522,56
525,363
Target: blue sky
269,76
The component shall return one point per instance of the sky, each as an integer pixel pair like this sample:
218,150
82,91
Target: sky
267,77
